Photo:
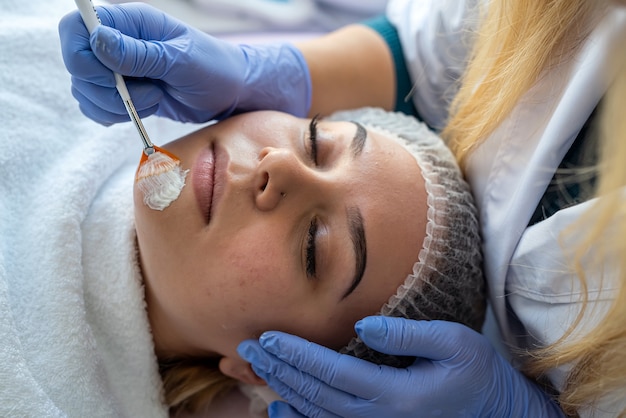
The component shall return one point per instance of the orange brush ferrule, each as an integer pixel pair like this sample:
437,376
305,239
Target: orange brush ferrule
162,164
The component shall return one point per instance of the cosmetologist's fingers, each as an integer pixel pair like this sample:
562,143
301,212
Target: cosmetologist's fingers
278,409
76,51
435,340
340,371
130,56
145,95
138,20
307,400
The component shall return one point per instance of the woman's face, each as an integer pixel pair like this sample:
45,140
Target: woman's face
273,232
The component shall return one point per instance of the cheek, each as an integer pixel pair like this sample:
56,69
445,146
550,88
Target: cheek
254,273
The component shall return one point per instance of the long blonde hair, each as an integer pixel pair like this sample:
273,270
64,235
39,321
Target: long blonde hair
517,41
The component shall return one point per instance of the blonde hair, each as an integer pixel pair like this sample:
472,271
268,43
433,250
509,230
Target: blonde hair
517,41
189,384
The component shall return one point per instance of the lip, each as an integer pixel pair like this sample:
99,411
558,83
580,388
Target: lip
208,177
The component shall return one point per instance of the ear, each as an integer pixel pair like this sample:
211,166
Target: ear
241,370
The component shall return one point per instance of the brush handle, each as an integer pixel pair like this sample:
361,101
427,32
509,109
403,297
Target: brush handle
91,20
89,14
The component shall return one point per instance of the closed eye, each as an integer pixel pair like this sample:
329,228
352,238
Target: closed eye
313,139
310,249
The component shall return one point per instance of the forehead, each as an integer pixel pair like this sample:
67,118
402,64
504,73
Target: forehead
394,207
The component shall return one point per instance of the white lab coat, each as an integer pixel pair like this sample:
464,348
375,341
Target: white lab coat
526,270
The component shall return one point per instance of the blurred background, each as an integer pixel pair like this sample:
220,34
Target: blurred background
263,16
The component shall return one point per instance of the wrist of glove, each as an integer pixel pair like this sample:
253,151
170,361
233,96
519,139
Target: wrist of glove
457,373
176,71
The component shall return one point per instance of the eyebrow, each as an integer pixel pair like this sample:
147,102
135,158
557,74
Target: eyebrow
357,236
358,141
355,219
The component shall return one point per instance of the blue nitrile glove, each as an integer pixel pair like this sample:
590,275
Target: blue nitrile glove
176,71
457,374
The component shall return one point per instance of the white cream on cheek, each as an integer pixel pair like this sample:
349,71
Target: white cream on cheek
160,179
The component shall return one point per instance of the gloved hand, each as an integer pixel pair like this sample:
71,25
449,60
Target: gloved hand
178,72
457,374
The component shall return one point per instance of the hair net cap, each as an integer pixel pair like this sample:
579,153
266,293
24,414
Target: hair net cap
447,281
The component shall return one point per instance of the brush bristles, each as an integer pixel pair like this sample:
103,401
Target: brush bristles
160,179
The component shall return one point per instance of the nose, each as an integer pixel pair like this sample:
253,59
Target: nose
280,173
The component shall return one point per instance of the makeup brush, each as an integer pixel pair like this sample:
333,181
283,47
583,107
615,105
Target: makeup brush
159,175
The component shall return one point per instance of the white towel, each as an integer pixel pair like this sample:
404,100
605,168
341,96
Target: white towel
75,338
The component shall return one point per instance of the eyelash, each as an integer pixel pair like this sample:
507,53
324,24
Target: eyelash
311,269
310,249
313,138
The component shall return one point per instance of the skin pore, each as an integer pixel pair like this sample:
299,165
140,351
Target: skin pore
284,224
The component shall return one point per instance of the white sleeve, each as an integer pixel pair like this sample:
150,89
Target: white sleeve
545,294
435,43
